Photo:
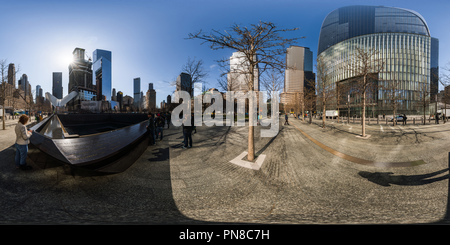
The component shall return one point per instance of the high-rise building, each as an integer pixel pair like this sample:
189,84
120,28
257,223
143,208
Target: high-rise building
298,75
57,89
24,85
169,100
102,74
151,98
184,83
12,74
80,79
80,72
114,95
238,79
38,88
120,100
403,46
137,91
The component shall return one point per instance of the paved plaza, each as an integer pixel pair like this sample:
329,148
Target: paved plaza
309,175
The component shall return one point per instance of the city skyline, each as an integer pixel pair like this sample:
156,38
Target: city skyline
148,40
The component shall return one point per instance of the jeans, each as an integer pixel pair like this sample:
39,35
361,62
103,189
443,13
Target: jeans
152,136
21,155
158,130
187,138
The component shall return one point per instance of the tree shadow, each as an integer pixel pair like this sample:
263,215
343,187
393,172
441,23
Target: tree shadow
388,178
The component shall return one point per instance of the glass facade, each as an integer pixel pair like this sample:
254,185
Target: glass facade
103,74
403,46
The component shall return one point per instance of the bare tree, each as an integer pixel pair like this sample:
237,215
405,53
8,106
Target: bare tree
195,69
365,67
393,96
3,88
272,82
310,97
324,87
261,45
444,79
227,83
424,100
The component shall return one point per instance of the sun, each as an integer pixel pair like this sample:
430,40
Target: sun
66,59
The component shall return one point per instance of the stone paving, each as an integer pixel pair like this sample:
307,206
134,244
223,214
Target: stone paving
298,183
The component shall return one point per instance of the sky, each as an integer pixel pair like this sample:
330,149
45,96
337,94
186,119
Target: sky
148,38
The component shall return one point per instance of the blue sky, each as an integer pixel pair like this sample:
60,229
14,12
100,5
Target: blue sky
147,37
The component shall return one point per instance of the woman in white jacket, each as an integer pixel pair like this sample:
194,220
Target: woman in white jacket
22,139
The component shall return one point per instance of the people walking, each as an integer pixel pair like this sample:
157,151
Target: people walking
404,119
286,118
159,123
22,139
151,129
436,117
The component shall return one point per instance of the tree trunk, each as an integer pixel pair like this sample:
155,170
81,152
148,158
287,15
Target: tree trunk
3,117
364,111
251,130
393,117
323,109
424,115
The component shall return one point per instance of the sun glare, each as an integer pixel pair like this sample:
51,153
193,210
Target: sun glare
66,59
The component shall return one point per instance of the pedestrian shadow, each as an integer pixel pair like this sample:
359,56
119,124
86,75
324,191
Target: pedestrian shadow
388,178
160,154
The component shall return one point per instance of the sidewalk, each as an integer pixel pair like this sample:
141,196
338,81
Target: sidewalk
8,136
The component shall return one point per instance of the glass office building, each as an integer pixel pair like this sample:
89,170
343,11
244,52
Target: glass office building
103,74
403,45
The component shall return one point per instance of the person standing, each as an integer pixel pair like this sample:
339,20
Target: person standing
187,133
168,119
151,129
22,139
436,116
159,126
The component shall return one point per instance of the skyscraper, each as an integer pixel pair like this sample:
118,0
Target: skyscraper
24,85
299,73
151,98
184,83
80,79
57,89
403,45
103,74
120,100
137,91
239,76
12,74
38,89
80,72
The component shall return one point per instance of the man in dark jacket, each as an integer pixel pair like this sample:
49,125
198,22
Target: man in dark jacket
187,132
151,129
